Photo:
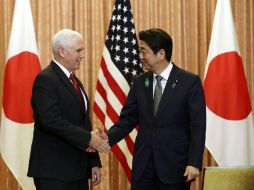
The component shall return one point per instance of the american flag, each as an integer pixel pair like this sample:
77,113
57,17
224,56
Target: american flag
119,65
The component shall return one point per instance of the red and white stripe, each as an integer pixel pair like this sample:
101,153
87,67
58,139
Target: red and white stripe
111,92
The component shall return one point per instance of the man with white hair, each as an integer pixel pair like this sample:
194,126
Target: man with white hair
62,128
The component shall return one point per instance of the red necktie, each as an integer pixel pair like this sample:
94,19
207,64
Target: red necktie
77,88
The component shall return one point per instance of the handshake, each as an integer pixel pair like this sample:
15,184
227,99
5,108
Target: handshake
98,142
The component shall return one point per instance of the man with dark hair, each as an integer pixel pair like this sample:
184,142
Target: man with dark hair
168,105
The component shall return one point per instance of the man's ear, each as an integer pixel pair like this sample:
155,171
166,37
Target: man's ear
61,52
161,54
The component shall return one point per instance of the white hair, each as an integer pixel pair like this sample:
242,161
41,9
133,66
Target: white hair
63,38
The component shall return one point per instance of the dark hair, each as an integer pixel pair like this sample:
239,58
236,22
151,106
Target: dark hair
157,39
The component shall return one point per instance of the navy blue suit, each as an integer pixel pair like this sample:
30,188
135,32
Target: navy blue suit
175,136
61,130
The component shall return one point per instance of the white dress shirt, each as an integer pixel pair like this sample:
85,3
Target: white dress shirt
165,75
67,73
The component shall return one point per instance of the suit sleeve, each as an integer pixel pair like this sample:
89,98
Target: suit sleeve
93,158
197,112
128,118
48,114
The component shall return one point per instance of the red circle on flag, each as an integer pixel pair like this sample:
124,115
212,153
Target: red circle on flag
20,73
225,87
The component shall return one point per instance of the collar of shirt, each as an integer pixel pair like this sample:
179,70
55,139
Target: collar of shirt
165,75
66,72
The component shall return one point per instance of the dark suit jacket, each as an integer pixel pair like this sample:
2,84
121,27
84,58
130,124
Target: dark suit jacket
175,137
61,130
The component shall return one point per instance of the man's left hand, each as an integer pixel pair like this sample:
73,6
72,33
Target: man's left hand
96,176
191,173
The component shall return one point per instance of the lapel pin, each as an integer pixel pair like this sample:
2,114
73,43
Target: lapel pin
174,84
146,82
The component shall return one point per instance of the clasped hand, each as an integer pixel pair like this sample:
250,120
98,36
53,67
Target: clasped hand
98,142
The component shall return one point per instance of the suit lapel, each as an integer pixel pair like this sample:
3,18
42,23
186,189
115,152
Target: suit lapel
82,89
67,83
148,83
168,92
